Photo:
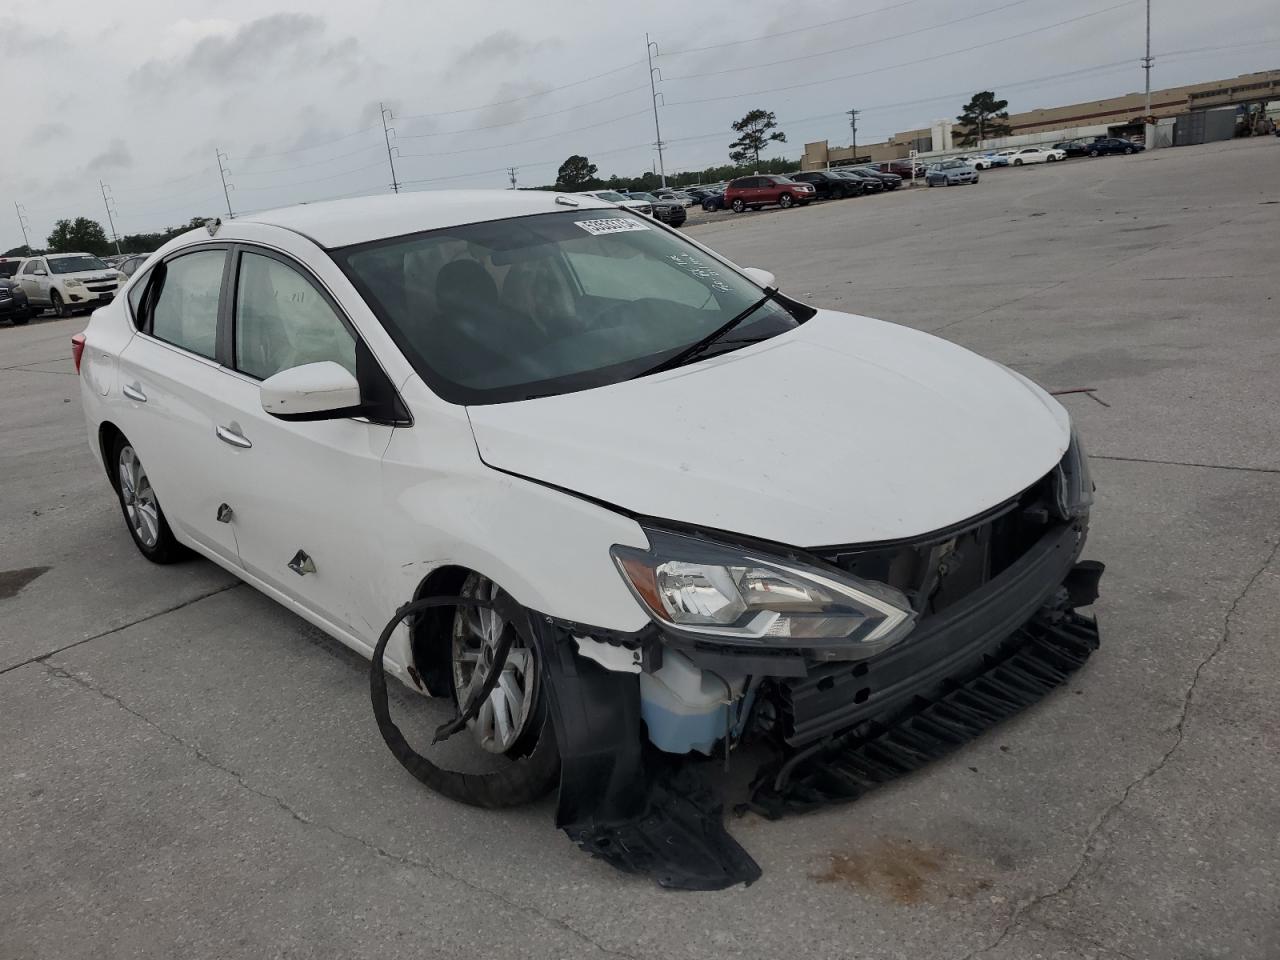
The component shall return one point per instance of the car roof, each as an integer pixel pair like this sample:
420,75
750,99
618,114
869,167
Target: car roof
60,256
339,223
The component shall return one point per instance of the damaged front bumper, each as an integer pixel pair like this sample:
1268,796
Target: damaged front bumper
838,728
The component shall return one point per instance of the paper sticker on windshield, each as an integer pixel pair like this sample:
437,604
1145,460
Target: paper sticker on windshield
610,225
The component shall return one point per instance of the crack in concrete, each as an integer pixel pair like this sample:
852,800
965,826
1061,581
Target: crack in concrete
1184,463
124,626
1087,850
427,866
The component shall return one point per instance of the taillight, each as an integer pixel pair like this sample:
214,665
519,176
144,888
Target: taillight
77,349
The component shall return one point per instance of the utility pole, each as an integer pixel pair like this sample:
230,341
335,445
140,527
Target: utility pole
512,173
23,223
650,48
853,133
223,172
1146,61
106,202
386,136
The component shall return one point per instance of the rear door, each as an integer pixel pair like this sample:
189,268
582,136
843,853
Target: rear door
168,377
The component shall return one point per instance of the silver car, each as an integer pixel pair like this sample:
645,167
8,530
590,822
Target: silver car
950,172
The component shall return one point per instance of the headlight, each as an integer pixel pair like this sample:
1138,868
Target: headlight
72,282
737,596
1073,484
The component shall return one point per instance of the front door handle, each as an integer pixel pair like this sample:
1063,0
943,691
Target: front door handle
233,436
134,393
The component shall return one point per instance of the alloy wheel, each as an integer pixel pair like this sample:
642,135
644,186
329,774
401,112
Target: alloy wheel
140,505
504,717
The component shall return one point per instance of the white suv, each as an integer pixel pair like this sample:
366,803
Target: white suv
66,282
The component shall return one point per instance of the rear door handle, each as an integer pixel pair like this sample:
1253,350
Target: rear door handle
134,393
233,436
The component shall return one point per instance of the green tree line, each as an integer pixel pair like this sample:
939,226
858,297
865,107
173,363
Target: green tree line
85,235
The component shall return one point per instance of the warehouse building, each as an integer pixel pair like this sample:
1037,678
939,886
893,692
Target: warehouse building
1180,107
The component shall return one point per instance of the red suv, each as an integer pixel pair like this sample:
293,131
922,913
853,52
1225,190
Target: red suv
756,192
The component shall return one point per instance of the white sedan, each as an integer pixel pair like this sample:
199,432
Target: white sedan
524,412
1033,155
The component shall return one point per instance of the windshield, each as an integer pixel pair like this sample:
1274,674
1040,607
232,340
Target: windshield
611,196
552,303
75,264
649,197
9,267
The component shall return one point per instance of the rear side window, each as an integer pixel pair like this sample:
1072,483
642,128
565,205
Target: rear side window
283,321
185,310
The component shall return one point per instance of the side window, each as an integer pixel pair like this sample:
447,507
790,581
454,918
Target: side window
185,311
135,300
282,321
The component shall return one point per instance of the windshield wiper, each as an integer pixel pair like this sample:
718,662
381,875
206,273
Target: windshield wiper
698,346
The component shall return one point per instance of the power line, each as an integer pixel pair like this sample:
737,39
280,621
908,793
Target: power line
787,33
909,63
322,143
303,183
309,163
853,46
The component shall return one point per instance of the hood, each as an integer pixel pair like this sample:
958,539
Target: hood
845,430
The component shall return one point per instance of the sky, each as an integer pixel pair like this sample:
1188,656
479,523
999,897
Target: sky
143,94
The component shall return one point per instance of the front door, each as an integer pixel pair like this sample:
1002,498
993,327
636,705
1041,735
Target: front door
305,496
34,280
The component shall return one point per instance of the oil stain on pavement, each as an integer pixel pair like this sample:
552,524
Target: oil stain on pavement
903,872
12,581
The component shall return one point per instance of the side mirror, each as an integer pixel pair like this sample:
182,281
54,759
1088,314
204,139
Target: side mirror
313,391
762,277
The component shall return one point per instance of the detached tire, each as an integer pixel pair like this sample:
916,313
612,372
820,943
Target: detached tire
527,777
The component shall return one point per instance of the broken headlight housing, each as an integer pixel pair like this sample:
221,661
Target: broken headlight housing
1072,482
735,595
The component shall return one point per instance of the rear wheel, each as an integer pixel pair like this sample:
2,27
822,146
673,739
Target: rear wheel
142,514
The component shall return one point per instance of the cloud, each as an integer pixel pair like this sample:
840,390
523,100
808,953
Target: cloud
17,41
500,47
115,157
241,53
44,132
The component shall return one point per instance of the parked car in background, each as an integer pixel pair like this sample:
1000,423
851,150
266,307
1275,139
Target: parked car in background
1106,145
684,199
9,266
130,264
950,173
713,200
1025,155
14,305
903,168
66,282
828,185
699,193
869,183
668,211
621,199
1075,148
988,160
760,191
891,181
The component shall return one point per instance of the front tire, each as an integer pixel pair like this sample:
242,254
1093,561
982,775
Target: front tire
1093,153
20,321
738,206
56,304
142,513
785,201
1017,163
1128,150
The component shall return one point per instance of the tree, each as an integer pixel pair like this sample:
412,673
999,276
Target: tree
22,251
575,173
984,117
754,135
79,235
